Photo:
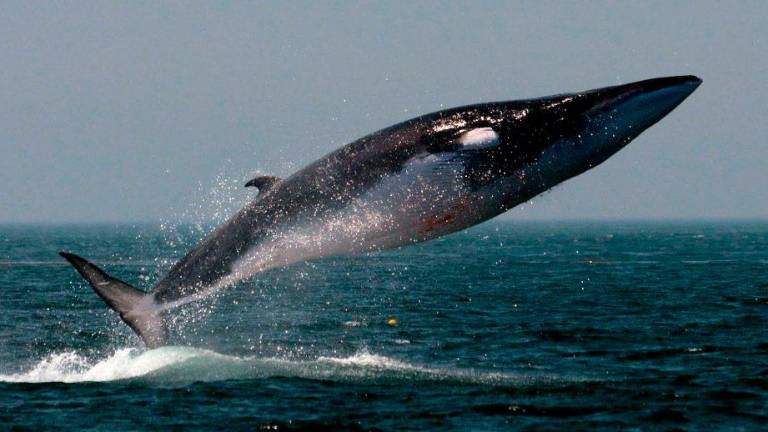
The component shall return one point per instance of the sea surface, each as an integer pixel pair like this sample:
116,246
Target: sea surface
509,325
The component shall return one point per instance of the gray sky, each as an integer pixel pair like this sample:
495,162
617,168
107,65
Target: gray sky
141,111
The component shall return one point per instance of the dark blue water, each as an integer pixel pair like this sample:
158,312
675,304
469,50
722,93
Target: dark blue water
509,325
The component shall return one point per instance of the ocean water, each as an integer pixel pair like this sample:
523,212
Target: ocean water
509,325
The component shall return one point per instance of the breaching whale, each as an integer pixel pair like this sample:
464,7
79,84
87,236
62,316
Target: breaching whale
421,179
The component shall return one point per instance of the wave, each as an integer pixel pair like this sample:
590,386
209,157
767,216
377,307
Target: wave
31,263
184,364
62,263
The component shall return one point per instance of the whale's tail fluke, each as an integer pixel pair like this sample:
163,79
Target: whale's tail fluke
133,305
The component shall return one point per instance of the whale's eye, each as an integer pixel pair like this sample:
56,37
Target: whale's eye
479,138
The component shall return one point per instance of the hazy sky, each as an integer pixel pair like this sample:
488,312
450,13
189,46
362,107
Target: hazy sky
138,111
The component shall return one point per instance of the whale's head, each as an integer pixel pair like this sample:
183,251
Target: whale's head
515,150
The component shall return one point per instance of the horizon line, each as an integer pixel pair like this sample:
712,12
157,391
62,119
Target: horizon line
751,219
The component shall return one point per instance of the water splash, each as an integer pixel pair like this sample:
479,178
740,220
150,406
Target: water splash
122,364
210,206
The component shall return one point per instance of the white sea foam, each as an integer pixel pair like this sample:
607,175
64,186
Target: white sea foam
366,359
183,364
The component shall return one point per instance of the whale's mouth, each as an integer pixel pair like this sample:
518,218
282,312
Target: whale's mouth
563,136
639,105
614,116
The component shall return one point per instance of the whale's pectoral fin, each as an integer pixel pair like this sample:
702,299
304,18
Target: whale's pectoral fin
132,304
263,183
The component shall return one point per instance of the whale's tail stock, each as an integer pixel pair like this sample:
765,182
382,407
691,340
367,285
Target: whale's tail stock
135,307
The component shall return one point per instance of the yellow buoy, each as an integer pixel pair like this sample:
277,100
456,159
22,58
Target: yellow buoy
391,321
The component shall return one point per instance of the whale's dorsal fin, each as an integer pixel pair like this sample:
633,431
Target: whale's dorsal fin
263,183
